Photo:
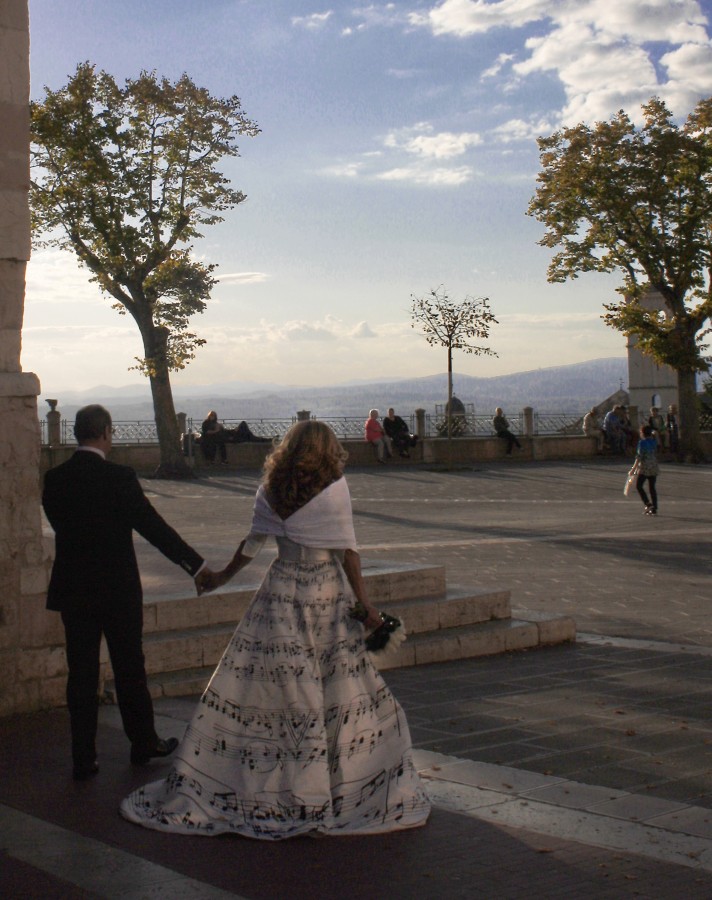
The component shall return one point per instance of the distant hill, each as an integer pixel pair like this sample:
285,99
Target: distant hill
566,389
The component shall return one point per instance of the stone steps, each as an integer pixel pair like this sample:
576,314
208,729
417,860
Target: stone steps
185,637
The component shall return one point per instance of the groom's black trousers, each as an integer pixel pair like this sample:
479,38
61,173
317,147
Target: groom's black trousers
122,629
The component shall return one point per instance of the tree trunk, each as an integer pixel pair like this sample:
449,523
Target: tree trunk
449,407
173,463
691,449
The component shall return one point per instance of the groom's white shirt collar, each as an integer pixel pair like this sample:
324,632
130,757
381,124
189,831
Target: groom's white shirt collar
92,450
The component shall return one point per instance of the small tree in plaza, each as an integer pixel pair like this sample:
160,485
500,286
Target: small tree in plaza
639,200
453,325
125,177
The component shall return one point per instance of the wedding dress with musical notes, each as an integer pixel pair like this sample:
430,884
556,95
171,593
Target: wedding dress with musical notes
297,731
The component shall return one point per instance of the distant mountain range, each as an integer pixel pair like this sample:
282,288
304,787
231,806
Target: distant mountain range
565,389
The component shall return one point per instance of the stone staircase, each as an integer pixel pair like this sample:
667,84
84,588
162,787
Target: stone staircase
184,637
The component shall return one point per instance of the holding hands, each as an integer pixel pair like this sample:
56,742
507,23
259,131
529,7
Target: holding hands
206,580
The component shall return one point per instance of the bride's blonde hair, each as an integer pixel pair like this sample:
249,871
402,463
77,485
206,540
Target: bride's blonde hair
308,459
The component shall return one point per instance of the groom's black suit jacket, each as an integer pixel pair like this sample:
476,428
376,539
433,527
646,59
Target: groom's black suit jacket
94,505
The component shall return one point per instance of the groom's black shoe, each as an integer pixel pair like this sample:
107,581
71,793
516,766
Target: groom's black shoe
142,755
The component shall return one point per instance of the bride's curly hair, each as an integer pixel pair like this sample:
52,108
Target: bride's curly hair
307,460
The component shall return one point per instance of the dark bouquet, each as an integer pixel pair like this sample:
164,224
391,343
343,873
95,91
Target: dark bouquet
389,635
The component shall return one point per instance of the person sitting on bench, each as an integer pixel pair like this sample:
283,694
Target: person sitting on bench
399,433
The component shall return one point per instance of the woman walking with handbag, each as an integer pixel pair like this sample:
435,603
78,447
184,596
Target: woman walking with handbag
646,456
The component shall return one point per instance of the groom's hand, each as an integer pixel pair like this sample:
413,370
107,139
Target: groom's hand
206,580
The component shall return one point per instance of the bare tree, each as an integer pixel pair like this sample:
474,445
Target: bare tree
453,325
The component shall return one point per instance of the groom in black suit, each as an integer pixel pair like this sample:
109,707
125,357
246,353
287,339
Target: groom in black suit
94,506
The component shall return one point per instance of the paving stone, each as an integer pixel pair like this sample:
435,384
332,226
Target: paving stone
564,540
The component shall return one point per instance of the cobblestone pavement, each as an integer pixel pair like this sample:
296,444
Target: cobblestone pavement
561,536
578,771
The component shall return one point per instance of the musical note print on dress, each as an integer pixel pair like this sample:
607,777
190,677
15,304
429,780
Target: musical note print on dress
296,731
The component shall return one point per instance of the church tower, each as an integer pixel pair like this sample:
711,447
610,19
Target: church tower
649,384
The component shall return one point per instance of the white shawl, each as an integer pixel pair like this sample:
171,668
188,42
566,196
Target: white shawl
326,521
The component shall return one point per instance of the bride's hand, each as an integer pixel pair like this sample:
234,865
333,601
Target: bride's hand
373,620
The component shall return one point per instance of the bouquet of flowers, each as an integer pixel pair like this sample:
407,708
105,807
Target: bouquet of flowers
387,638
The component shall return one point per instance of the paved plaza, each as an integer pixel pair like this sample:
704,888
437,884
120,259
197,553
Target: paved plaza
577,771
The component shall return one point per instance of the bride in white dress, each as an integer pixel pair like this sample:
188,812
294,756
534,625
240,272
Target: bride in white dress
296,732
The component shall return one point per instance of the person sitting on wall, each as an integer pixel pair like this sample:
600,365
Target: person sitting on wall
613,429
592,428
242,435
377,436
399,433
631,435
212,439
501,429
657,423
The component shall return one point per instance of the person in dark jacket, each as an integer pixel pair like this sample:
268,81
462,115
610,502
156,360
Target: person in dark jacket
94,506
501,429
399,433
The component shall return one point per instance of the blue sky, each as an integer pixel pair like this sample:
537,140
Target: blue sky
397,153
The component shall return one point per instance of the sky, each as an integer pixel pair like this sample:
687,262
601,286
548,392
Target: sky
397,154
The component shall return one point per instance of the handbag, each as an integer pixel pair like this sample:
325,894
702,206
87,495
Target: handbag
631,477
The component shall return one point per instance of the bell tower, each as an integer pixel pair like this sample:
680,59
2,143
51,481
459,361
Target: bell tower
649,384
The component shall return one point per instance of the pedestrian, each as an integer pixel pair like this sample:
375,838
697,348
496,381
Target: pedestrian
672,429
647,459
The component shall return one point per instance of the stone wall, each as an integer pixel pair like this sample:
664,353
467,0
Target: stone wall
30,655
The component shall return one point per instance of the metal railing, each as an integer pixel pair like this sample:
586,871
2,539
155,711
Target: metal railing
467,424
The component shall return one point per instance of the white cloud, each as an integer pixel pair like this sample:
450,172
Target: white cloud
444,145
463,18
374,15
437,177
242,277
419,140
498,65
403,73
691,65
344,170
602,52
520,130
312,22
363,330
266,332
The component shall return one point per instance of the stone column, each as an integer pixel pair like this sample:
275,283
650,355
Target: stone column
528,421
24,660
420,423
